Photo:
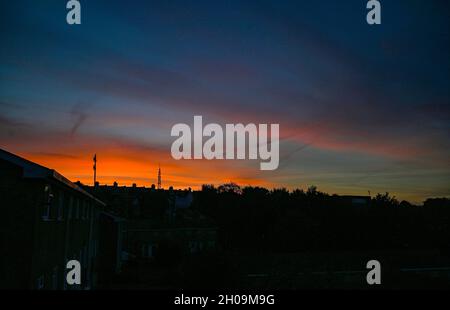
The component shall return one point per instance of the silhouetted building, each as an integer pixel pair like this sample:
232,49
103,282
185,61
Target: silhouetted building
110,247
157,216
191,233
123,201
48,221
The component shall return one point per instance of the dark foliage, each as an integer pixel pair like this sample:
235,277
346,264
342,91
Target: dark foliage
256,219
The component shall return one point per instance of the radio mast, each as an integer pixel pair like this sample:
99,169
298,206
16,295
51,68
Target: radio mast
159,177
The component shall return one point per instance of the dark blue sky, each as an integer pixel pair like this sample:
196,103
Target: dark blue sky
360,107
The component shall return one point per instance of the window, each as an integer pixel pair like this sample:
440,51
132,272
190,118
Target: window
83,209
85,258
151,250
55,278
48,200
69,213
94,248
40,283
77,210
88,212
60,206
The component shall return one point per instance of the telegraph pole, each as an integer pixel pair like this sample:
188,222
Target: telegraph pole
95,168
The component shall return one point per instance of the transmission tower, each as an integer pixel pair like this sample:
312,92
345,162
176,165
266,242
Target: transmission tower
159,177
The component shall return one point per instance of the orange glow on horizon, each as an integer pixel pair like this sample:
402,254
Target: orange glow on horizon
126,169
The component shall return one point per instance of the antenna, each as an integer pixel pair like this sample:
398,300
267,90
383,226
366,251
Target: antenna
159,176
95,168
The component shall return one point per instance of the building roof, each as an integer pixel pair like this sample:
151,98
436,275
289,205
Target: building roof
35,171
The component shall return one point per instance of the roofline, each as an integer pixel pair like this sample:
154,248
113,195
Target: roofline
42,172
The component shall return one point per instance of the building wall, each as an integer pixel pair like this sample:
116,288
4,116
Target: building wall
69,232
47,224
16,235
110,247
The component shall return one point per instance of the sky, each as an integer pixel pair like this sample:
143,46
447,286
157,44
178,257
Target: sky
361,108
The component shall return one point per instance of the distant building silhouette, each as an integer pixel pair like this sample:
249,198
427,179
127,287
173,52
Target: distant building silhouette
155,217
